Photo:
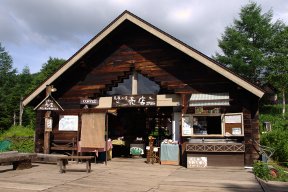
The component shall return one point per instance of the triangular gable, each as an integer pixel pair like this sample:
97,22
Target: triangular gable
49,104
161,35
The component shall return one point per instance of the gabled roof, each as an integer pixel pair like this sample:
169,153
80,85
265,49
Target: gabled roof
126,15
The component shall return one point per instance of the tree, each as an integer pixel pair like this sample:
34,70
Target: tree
47,69
21,89
245,44
36,79
277,70
13,87
7,81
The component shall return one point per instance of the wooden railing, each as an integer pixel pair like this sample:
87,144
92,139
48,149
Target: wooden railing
215,147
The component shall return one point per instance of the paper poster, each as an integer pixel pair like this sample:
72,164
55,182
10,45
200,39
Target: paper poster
196,162
186,125
233,119
68,123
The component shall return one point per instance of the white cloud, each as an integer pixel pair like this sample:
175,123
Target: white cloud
183,14
36,29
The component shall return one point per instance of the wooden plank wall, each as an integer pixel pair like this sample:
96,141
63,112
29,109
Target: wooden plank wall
130,48
222,159
251,127
39,132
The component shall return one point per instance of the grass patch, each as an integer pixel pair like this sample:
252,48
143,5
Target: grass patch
20,138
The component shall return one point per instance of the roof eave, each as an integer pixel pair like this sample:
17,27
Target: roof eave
158,33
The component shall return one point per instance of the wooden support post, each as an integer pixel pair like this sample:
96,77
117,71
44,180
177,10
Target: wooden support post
47,134
106,137
134,83
185,103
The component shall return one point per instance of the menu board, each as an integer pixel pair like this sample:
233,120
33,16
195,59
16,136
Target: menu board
68,123
233,124
233,118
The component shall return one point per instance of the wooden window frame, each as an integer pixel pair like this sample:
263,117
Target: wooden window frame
224,129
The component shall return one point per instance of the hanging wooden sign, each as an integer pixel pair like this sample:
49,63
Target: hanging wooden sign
89,101
48,104
133,100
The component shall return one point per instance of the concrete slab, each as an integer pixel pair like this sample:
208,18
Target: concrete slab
126,175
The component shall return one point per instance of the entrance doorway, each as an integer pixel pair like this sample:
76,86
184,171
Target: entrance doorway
132,126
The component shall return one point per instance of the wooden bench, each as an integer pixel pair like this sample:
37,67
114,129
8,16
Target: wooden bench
18,160
65,146
63,161
47,158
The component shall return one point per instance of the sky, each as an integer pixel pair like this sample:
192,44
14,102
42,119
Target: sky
31,31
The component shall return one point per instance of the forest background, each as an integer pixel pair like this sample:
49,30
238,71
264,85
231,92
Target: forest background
254,47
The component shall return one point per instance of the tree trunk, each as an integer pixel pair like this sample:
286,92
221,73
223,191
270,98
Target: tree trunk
14,118
283,103
21,108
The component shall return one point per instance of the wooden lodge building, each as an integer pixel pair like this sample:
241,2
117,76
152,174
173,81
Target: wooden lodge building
132,81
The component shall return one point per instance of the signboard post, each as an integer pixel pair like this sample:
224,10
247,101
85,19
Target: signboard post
47,133
48,104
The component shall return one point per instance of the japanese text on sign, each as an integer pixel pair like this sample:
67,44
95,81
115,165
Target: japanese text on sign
133,100
49,105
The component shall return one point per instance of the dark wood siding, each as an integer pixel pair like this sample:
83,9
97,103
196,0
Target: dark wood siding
130,48
222,159
39,131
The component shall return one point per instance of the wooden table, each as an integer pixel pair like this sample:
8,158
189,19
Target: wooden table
63,161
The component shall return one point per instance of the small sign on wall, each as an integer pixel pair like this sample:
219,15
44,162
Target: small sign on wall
196,162
233,118
48,124
89,102
187,125
68,123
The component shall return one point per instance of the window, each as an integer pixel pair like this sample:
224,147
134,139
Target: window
207,125
145,86
230,124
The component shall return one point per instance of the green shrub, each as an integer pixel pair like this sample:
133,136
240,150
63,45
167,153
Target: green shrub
282,175
261,170
22,144
21,138
269,172
18,131
277,139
